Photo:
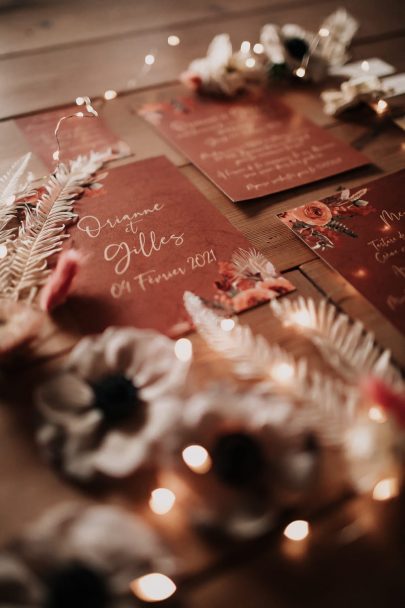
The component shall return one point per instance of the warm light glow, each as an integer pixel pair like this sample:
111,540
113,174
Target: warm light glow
80,101
162,501
197,459
386,489
153,587
250,62
377,414
183,349
302,317
110,94
324,32
300,72
282,372
258,48
381,106
3,251
173,40
149,59
360,273
55,155
365,66
245,46
227,324
79,114
297,530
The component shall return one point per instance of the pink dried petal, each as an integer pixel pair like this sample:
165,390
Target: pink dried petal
58,286
19,324
379,392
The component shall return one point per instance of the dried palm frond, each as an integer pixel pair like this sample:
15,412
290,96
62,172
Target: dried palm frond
11,184
252,262
41,235
345,345
324,401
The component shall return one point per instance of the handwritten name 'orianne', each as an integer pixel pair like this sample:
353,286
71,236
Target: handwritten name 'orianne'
91,225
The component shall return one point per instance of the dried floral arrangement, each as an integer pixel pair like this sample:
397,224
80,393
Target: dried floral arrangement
33,222
287,51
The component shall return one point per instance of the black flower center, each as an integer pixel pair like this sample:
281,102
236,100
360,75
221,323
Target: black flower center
237,459
116,397
297,47
76,586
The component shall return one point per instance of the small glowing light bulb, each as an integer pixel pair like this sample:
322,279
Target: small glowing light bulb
377,414
3,251
183,349
324,32
381,106
79,114
300,72
79,101
258,48
149,59
197,459
386,489
245,46
297,530
283,372
365,66
173,40
227,324
162,501
110,94
153,587
250,62
55,155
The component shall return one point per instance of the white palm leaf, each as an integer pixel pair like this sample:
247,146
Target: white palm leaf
345,345
41,235
325,403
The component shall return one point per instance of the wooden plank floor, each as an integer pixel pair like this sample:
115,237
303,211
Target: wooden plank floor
53,51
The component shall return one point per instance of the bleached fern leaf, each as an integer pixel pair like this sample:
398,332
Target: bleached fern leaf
25,269
11,184
346,346
324,402
252,262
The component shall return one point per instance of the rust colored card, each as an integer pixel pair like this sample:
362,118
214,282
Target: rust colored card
251,147
361,234
77,135
147,236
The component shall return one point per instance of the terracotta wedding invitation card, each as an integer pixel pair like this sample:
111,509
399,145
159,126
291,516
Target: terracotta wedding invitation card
77,135
251,147
147,235
361,233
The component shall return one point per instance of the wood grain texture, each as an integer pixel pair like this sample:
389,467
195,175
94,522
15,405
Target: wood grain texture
58,76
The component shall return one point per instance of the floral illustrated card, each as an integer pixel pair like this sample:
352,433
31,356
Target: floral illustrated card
253,146
76,135
147,236
361,233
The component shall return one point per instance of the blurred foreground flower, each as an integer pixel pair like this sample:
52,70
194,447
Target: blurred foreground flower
106,410
77,556
19,325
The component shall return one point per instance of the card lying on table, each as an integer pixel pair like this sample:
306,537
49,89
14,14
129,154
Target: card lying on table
251,147
77,135
361,234
147,236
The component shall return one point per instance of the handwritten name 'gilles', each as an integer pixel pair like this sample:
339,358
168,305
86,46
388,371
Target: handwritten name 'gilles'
146,243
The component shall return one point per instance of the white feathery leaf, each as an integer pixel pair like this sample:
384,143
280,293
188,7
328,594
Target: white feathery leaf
11,184
25,268
326,402
345,345
252,262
